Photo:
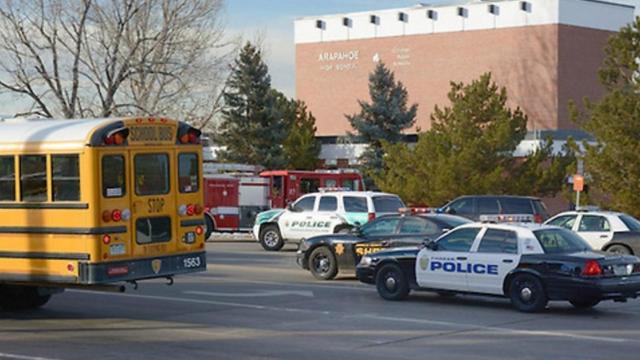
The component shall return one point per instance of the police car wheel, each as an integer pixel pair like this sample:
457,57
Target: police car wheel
527,293
620,250
391,283
270,238
323,264
584,303
343,230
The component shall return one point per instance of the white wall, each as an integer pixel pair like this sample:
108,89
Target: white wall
584,13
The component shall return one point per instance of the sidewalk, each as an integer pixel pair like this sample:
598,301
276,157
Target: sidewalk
231,237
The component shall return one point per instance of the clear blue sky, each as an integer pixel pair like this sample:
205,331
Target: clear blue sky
272,20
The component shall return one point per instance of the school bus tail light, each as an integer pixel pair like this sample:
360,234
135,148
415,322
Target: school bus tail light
116,137
198,209
106,239
189,135
199,230
182,210
191,209
116,215
106,216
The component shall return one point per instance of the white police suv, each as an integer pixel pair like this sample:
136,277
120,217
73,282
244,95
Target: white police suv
321,213
528,263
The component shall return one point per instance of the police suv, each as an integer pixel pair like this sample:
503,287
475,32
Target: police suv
321,213
527,263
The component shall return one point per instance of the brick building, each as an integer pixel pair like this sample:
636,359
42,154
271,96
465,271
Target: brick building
546,52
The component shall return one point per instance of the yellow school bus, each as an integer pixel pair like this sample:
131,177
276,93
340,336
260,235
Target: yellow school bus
93,203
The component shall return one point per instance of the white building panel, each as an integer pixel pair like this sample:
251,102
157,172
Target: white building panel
471,16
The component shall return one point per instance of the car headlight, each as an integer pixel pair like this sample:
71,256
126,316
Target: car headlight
365,261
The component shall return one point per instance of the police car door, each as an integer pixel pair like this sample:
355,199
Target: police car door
595,229
491,260
295,223
326,218
444,267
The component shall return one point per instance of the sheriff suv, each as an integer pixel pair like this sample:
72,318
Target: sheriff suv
321,213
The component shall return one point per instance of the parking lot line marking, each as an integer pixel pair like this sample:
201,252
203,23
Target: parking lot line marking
22,357
474,327
260,293
305,285
210,302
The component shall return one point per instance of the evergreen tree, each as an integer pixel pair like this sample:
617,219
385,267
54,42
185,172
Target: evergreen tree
253,127
301,147
469,150
613,163
383,119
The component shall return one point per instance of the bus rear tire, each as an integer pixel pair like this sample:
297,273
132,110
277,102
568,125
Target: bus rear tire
210,227
15,298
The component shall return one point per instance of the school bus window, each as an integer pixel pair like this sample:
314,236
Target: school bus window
188,172
7,179
33,178
152,174
153,230
113,175
65,177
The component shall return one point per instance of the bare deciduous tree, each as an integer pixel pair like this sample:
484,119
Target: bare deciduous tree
114,57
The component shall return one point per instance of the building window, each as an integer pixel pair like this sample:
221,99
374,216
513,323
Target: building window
320,24
494,9
432,14
463,12
374,19
402,16
65,172
346,22
525,6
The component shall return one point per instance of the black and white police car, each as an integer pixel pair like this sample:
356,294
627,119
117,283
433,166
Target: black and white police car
528,263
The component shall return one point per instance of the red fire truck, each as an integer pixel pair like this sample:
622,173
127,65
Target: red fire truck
235,193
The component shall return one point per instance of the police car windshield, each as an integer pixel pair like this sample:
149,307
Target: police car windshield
560,241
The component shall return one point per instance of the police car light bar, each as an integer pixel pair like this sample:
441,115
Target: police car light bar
330,189
515,218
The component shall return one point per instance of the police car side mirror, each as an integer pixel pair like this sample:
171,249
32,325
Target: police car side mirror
431,245
450,211
445,230
293,208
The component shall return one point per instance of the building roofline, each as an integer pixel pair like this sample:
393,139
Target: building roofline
427,6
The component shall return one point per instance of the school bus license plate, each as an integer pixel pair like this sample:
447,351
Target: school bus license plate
117,249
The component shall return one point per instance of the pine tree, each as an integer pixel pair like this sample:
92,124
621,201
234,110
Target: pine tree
469,150
301,147
383,119
253,128
613,163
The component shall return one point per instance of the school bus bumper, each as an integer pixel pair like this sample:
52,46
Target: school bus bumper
141,269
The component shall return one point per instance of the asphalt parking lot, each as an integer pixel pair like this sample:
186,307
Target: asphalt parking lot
251,304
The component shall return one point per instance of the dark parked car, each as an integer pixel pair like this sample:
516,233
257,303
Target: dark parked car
475,206
324,255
